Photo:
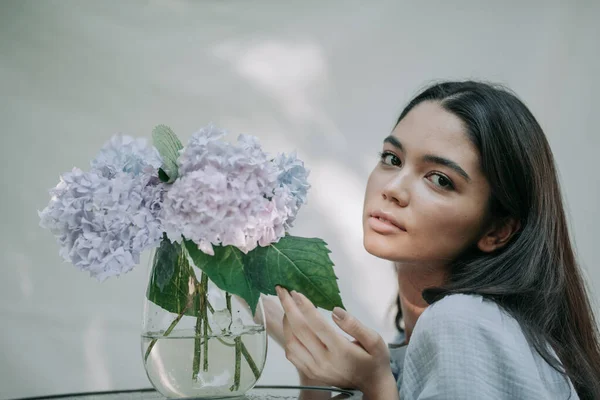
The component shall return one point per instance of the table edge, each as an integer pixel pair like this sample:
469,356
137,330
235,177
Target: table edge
151,389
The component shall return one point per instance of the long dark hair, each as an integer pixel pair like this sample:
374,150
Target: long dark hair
535,277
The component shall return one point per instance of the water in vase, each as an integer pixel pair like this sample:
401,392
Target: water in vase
170,362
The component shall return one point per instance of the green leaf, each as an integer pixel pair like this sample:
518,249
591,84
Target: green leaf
227,270
162,175
296,263
172,281
168,146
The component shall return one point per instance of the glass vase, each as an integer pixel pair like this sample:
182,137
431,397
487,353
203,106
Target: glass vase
198,340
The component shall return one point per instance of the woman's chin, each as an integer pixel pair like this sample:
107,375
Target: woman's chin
378,248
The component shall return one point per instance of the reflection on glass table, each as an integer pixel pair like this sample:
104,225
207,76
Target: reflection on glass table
258,393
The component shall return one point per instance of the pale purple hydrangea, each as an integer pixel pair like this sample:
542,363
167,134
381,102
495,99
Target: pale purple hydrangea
230,194
102,225
226,194
206,140
126,154
103,219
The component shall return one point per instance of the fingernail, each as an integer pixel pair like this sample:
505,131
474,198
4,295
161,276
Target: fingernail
278,290
339,313
297,298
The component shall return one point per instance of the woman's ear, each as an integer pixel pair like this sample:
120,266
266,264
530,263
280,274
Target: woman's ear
501,231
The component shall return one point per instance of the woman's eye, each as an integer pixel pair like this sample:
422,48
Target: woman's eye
388,158
441,181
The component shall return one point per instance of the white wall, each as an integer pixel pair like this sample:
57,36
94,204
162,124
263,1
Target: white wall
325,77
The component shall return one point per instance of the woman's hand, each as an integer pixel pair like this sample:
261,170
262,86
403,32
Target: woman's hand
320,353
274,322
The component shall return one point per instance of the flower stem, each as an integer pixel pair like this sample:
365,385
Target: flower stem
210,307
243,347
198,336
203,307
168,331
228,301
204,311
238,350
249,359
238,364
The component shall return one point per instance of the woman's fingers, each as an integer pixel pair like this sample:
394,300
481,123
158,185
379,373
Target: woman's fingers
344,363
322,329
295,351
366,337
302,330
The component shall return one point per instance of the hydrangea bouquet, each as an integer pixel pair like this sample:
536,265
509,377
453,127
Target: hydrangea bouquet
223,208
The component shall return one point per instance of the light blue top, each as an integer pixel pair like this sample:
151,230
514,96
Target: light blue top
467,347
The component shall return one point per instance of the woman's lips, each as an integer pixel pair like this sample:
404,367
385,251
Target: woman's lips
383,226
388,218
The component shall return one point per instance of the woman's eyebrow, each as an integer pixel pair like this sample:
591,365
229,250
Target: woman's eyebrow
447,163
431,158
393,141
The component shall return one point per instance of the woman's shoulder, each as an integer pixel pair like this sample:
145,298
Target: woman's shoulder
475,346
457,302
473,325
468,311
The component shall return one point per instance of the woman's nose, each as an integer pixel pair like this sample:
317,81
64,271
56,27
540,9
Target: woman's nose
396,190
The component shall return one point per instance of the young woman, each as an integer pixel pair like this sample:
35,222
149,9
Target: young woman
466,202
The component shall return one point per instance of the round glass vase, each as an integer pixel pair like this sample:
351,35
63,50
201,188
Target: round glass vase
198,340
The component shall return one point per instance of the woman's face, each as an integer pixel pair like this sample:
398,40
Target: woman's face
426,199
